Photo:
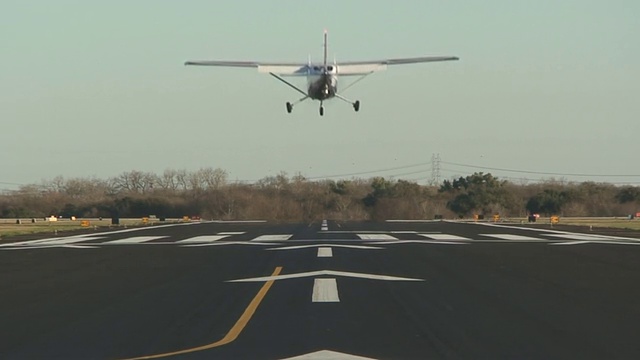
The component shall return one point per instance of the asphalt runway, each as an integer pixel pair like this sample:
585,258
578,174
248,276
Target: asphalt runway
339,290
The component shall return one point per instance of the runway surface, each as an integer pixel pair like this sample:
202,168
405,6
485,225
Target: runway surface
327,290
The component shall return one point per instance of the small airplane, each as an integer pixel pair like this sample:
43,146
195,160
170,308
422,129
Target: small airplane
322,79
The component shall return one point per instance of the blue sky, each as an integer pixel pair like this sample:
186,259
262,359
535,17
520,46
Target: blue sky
98,88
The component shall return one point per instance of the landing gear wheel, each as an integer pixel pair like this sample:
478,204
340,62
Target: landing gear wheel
289,107
356,105
321,111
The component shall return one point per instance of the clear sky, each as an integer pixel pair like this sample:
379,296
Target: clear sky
92,88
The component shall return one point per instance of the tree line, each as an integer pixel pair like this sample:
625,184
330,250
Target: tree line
208,193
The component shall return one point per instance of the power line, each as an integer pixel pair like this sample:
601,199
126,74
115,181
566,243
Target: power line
410,173
9,183
539,172
368,172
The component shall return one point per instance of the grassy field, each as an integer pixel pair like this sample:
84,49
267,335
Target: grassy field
8,227
596,222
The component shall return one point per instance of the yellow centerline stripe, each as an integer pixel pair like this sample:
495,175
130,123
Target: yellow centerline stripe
235,330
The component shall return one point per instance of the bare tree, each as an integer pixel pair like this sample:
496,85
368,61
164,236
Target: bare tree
213,178
168,180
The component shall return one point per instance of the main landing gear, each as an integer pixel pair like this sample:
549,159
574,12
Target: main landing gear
290,105
355,104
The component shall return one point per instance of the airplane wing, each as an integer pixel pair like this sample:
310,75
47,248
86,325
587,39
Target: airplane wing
366,67
344,68
282,69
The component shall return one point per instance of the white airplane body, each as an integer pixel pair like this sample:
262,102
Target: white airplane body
322,79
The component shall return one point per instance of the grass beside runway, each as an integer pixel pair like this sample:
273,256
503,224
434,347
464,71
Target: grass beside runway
595,222
8,227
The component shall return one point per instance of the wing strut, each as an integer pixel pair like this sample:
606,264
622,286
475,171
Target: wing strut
355,82
288,83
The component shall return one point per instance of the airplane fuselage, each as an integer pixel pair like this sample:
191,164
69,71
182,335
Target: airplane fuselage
322,84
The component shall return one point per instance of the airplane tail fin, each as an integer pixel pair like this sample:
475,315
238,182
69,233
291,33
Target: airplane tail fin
325,48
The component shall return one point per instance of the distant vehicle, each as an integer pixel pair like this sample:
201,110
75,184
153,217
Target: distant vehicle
322,79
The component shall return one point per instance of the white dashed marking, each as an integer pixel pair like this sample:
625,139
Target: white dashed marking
325,290
325,252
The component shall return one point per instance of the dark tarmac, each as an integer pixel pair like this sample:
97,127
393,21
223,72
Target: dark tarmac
394,290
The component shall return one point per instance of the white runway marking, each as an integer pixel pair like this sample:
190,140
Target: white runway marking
202,239
272,238
599,242
68,240
49,247
325,226
326,272
326,245
328,355
579,237
609,237
378,232
325,252
232,233
571,243
89,236
512,237
223,243
80,247
376,237
325,290
134,240
444,237
418,242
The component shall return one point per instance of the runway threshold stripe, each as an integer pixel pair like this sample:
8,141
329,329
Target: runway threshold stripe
272,238
202,239
135,240
69,240
376,237
571,243
511,237
574,236
444,237
235,330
